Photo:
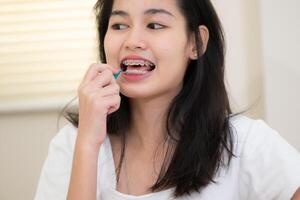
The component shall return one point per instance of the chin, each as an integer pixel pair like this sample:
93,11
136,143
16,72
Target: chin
139,94
136,94
152,92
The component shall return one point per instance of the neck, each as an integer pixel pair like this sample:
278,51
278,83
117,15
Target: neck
148,128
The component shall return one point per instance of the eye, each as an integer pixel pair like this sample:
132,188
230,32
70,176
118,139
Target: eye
118,26
155,26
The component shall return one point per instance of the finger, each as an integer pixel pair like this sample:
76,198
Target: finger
110,90
104,78
114,71
94,70
96,87
114,103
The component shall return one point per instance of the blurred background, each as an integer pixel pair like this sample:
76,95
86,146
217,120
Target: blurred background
46,46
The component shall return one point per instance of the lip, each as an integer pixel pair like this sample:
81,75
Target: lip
136,77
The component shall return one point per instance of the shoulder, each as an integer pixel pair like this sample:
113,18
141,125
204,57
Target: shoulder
66,134
55,174
268,163
250,132
253,135
64,140
61,146
243,126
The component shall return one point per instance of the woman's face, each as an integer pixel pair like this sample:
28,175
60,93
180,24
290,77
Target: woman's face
151,30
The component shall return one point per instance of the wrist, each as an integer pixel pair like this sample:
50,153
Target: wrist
89,145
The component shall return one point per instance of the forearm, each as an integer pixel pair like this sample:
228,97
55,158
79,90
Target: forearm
83,180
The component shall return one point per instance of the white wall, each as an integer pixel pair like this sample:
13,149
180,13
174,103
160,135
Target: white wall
281,47
24,140
262,61
244,64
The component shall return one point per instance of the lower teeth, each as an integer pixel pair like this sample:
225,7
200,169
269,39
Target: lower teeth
133,71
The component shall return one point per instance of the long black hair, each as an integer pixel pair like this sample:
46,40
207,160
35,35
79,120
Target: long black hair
198,117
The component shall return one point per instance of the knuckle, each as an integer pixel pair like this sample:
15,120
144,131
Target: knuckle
105,79
92,67
96,67
106,65
117,105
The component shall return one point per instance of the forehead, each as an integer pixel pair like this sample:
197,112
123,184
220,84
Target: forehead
139,6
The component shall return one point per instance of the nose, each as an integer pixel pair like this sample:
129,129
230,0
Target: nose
135,39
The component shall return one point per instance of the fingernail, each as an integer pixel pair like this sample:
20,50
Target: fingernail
115,70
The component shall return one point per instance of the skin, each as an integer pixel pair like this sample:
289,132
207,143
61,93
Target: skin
99,94
152,37
163,40
296,195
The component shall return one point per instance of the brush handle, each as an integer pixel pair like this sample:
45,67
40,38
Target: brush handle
117,74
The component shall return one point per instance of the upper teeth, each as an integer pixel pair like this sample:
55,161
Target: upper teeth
137,62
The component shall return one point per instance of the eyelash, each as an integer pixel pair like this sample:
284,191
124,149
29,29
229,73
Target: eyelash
115,26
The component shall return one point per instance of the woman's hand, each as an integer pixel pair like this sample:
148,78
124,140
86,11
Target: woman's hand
98,96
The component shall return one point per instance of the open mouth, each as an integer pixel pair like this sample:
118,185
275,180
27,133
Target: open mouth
137,66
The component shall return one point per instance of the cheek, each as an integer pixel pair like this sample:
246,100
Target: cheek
172,46
172,54
173,60
110,48
106,49
107,43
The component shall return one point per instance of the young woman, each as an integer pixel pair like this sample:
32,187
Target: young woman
164,128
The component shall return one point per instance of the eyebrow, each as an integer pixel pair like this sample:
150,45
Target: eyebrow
151,11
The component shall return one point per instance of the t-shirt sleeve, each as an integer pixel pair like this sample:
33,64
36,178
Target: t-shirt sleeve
270,167
55,174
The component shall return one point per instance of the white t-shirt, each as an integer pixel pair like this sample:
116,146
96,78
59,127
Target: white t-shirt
265,167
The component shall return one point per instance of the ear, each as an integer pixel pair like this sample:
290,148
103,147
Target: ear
204,35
